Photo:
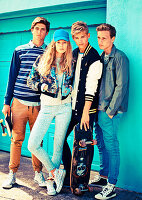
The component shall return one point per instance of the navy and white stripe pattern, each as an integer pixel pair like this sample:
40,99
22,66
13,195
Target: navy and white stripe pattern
23,59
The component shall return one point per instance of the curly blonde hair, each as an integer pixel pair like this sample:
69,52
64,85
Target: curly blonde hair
48,59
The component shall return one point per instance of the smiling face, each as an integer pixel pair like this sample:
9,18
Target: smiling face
61,47
39,32
105,41
81,40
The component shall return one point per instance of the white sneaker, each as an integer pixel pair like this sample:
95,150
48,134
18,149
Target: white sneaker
107,192
10,181
50,188
39,178
59,175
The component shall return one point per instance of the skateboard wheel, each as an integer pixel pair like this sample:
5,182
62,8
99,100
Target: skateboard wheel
72,190
78,191
1,120
90,189
4,134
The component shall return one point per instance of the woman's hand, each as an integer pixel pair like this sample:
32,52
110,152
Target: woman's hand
45,88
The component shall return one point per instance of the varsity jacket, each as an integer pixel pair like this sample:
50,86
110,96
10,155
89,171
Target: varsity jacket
90,64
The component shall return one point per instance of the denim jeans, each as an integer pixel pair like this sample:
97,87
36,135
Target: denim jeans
108,145
62,115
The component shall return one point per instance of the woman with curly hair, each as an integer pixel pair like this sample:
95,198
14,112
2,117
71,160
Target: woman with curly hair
52,76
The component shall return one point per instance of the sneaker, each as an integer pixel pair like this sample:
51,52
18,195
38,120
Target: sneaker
98,181
59,175
10,181
50,188
107,192
39,178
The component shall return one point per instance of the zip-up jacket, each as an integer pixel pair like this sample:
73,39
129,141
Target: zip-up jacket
36,80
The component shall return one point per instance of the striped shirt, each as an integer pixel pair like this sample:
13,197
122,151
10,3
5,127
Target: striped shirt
22,61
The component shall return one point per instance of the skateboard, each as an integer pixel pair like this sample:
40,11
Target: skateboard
8,125
81,160
3,128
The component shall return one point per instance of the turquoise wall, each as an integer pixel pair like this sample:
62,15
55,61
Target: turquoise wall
14,31
126,17
18,5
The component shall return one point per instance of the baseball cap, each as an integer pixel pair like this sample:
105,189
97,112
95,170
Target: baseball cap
61,34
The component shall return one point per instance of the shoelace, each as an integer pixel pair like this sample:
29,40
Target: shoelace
50,186
107,189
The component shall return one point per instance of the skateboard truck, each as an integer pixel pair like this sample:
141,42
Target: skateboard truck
83,142
79,190
3,128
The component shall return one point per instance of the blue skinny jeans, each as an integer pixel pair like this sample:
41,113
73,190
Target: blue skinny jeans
108,145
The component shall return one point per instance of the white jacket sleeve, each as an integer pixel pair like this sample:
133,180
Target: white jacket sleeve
94,74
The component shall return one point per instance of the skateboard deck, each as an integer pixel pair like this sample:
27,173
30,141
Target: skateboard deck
3,128
82,157
8,125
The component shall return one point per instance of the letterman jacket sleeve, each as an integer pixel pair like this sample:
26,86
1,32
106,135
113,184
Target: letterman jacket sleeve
94,74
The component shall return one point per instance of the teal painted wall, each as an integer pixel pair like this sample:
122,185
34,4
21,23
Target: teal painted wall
26,8
17,5
14,28
126,17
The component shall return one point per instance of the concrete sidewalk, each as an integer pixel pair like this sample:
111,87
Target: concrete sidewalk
26,189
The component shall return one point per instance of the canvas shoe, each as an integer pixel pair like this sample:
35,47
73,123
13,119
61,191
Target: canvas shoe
59,175
39,178
98,181
10,181
50,187
107,193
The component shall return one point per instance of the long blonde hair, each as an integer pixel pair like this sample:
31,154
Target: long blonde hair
47,60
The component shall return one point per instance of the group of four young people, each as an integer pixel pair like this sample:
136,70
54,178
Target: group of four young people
68,87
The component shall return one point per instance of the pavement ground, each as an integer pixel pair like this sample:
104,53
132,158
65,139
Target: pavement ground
27,189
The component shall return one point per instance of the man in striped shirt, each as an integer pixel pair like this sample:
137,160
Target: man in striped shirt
26,102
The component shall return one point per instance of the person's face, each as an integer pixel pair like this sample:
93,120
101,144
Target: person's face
39,32
81,40
61,47
105,41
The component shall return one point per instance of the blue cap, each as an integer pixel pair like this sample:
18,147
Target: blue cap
61,34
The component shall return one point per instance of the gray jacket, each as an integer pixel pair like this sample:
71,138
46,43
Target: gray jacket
114,89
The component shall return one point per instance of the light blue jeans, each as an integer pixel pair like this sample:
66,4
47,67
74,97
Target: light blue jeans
62,115
108,145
